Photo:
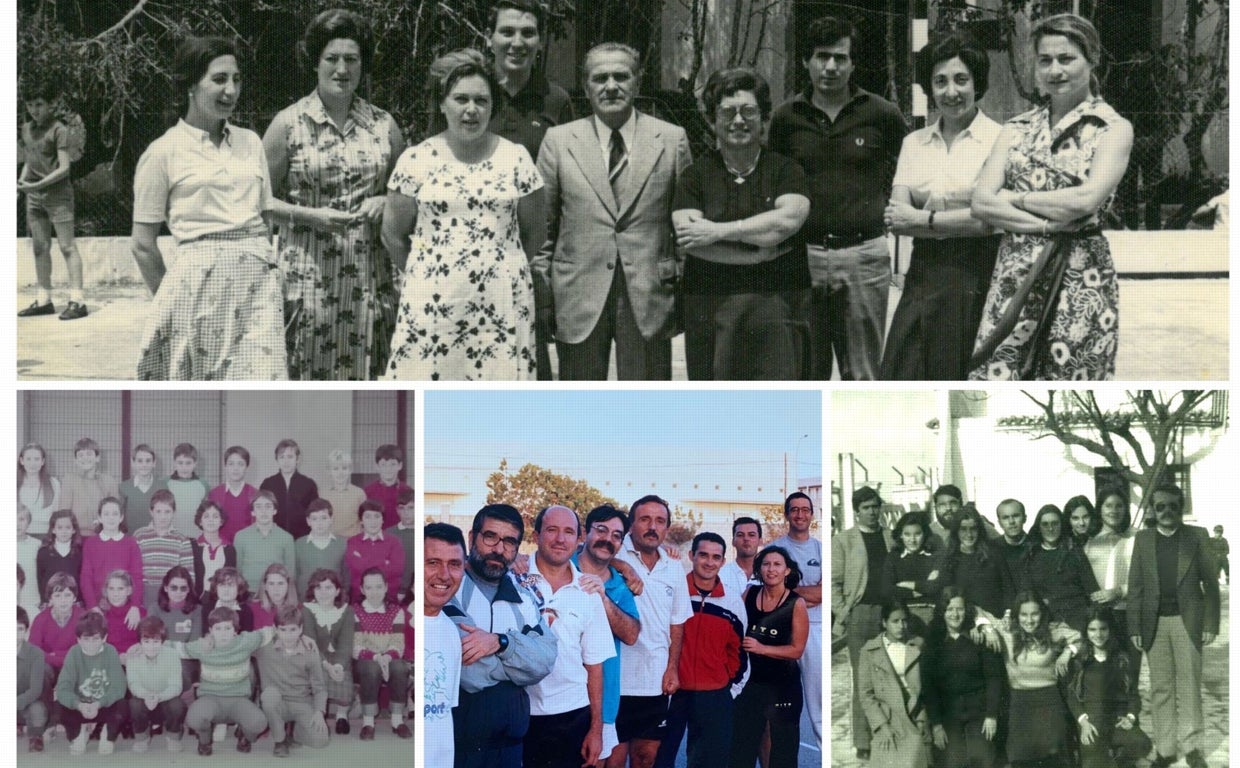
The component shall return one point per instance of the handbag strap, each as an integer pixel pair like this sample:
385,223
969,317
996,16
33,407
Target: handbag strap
1054,247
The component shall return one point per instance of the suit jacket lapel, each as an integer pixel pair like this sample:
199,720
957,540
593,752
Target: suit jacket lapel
643,155
585,150
1185,555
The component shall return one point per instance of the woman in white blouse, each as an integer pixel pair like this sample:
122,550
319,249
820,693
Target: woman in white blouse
935,324
1109,552
218,311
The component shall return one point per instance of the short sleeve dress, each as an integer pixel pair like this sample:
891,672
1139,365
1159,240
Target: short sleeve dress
1082,337
341,299
466,307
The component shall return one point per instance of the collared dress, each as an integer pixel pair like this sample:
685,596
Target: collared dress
1081,343
218,313
342,304
932,333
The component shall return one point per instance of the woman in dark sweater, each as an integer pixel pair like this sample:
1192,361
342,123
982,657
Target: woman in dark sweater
1058,570
963,681
970,565
1103,698
910,572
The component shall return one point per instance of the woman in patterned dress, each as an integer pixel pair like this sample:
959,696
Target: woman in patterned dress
1052,310
330,155
217,312
473,203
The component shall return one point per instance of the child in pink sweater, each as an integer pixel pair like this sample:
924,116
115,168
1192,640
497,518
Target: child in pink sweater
113,549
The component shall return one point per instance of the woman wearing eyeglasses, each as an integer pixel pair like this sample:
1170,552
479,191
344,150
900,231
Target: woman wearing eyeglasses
737,212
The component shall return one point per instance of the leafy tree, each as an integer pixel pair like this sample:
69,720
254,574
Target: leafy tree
532,488
1149,430
684,525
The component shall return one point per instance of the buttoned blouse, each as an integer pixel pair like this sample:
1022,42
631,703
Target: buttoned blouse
942,178
199,188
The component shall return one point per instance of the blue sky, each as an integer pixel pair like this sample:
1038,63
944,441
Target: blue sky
597,423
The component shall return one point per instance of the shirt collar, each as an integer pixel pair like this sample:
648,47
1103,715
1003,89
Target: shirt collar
855,93
906,553
889,643
536,86
628,131
111,536
693,588
377,537
200,136
366,607
360,112
936,131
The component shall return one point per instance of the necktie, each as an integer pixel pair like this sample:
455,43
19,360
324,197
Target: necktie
617,158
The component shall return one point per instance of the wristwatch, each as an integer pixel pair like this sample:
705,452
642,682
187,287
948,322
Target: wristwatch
503,642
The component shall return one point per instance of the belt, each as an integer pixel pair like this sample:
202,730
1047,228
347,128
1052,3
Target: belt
835,242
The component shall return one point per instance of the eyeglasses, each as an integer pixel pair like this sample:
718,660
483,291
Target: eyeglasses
749,112
604,531
1169,506
491,538
178,587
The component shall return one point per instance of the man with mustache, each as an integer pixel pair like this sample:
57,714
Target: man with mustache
948,501
712,665
566,706
649,667
506,645
1173,610
847,140
806,549
605,529
747,540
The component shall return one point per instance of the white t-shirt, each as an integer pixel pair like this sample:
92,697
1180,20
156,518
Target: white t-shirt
442,655
734,579
579,622
808,555
664,601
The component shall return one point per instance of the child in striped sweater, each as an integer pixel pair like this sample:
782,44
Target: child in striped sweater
379,647
162,546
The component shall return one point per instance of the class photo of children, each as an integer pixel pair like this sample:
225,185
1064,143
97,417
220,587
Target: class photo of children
214,573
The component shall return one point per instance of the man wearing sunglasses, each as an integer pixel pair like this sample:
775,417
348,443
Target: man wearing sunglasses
506,645
1173,610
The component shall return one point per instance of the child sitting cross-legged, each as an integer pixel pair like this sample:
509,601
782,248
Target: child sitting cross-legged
91,687
155,685
294,689
225,680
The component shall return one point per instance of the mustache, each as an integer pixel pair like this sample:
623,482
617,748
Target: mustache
605,544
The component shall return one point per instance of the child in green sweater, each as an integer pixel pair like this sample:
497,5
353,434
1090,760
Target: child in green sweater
294,688
224,680
91,687
154,675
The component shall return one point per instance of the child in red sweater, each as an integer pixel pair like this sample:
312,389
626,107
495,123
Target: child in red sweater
389,460
373,548
122,613
53,630
113,549
379,648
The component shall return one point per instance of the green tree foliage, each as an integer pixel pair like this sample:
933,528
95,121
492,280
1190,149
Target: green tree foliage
531,488
685,524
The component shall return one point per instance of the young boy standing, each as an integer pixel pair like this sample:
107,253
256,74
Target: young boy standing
31,708
389,460
293,490
294,688
403,532
155,682
49,148
263,543
187,488
320,548
136,491
91,687
162,546
85,486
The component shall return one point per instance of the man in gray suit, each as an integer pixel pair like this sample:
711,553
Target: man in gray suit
608,269
1173,610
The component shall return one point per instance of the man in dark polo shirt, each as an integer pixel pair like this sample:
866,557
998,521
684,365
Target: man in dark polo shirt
857,557
848,141
531,103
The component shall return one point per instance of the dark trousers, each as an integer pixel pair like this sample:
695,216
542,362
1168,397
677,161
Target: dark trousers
554,741
1115,748
748,336
637,358
758,705
112,716
490,725
170,714
708,717
370,680
966,746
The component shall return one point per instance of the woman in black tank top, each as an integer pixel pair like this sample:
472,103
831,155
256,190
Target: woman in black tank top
778,626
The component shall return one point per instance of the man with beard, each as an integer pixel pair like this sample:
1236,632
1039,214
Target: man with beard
605,529
711,662
857,557
443,563
1173,610
506,645
648,668
566,706
747,539
807,551
948,501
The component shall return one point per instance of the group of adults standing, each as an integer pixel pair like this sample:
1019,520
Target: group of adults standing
515,226
970,644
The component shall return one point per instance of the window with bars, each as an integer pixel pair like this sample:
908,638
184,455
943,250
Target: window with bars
57,420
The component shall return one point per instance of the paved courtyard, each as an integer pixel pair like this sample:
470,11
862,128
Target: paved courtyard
1215,699
1169,330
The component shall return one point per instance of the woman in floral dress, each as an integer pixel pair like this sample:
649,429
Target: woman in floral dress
473,202
330,155
1052,309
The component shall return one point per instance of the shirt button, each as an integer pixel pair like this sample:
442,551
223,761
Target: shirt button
611,265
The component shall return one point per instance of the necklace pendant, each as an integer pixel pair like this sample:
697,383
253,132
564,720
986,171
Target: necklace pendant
740,179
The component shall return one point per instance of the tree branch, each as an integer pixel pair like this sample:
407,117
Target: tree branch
133,13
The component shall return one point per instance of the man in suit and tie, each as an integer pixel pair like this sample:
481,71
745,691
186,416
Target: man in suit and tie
608,269
1173,610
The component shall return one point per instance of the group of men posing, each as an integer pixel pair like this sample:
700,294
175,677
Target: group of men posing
1171,589
577,655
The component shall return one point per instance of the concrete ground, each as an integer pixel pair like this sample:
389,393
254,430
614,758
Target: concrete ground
1215,686
1169,330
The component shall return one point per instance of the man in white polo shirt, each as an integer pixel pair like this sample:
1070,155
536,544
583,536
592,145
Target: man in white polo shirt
807,551
648,668
566,706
